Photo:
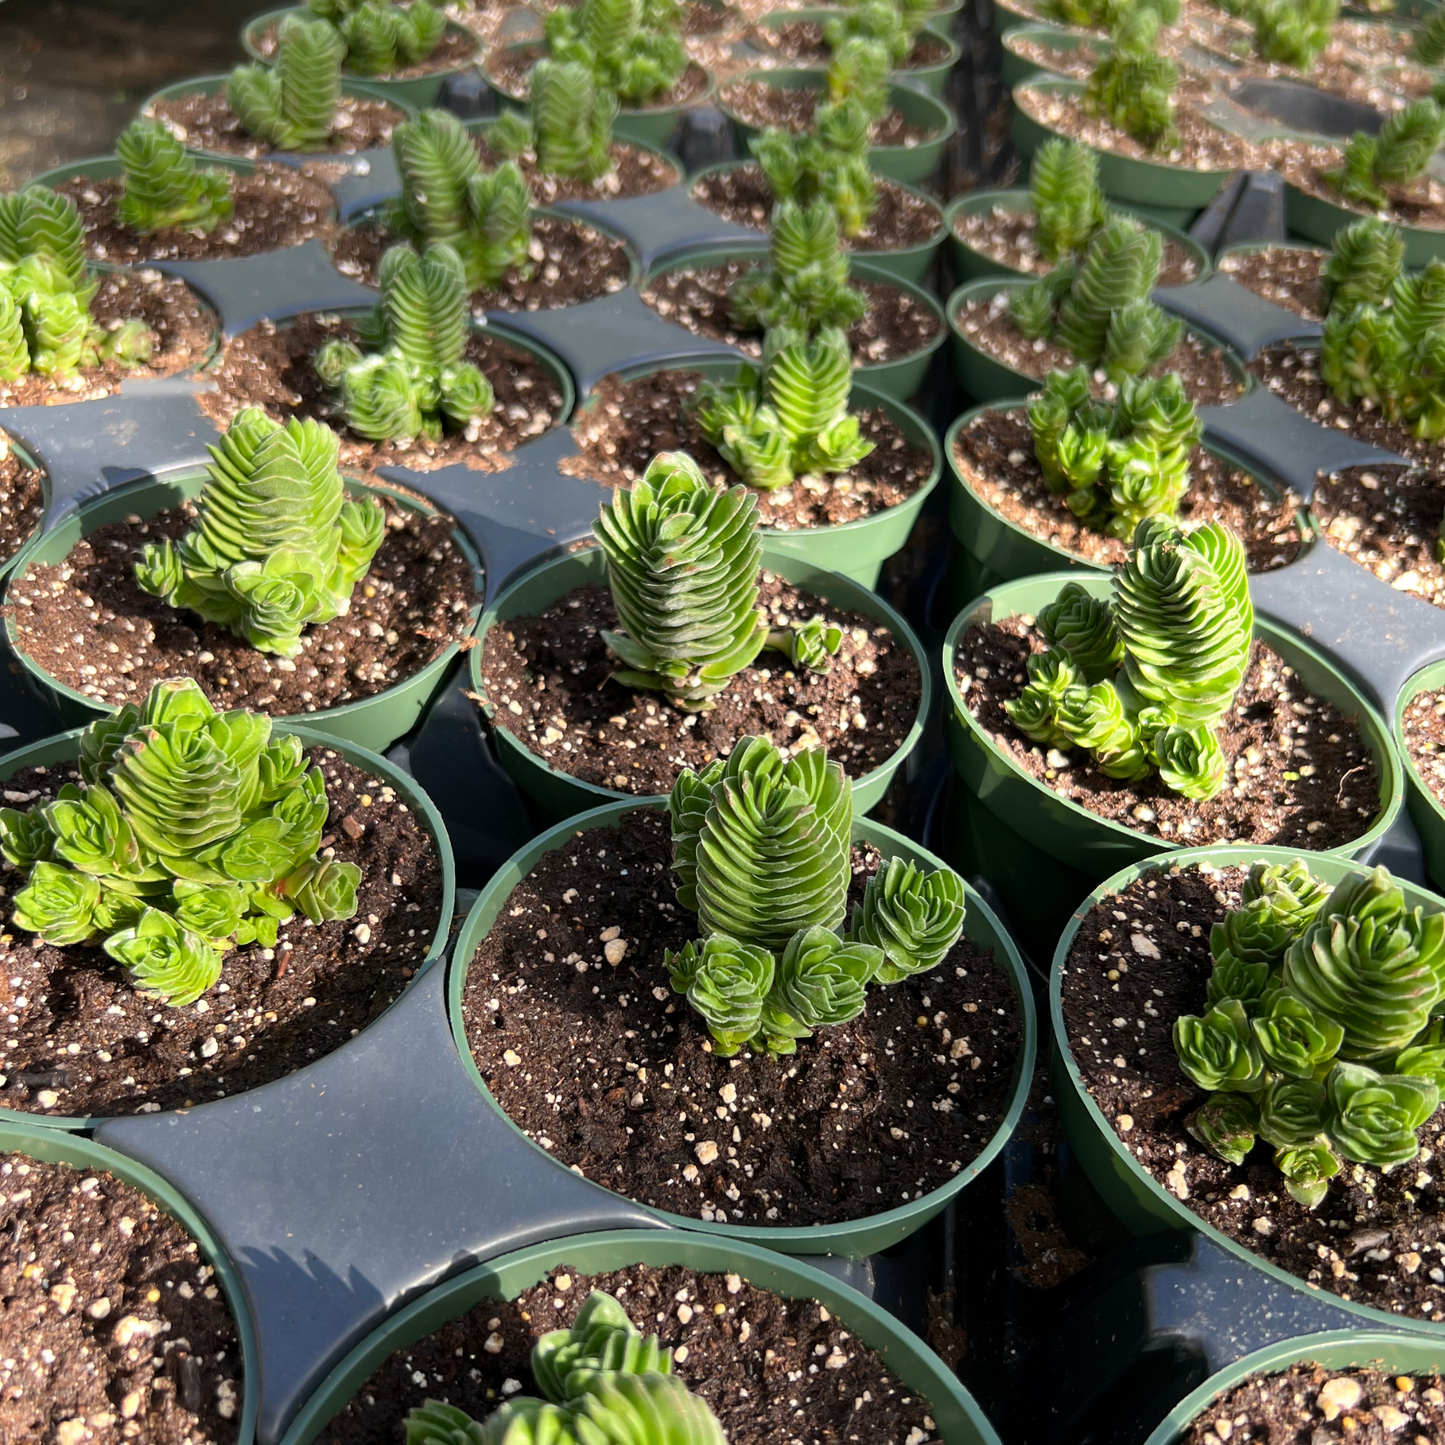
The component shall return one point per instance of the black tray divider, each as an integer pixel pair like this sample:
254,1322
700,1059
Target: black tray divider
1245,322
668,221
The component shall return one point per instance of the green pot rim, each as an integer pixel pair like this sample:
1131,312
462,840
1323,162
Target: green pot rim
540,43
854,1237
773,561
1067,37
1302,207
959,1418
258,23
54,1147
65,746
773,19
1005,601
106,168
1333,867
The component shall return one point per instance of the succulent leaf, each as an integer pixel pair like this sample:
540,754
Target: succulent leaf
1225,1124
1190,760
1133,86
572,118
1082,627
293,105
1295,1039
57,905
602,1338
804,287
163,186
1307,1169
1218,1052
914,916
809,646
163,956
726,981
1366,258
1067,201
1372,1118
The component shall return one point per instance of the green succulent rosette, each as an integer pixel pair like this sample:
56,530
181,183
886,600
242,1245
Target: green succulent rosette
1219,1050
163,186
913,916
1373,1117
726,981
1226,1125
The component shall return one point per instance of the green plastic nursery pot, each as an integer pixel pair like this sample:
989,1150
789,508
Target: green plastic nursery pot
853,1238
858,549
972,265
910,164
899,378
931,78
909,263
1170,192
1318,219
53,1147
418,92
959,1419
1425,808
559,794
1142,1204
210,84
1041,836
1395,1354
65,748
374,722
1018,68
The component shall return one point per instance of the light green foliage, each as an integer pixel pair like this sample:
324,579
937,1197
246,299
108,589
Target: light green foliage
682,562
1226,1125
436,1423
632,49
446,196
809,646
1218,1051
1429,46
1307,1170
829,163
277,545
418,380
572,117
1104,14
804,287
1082,628
293,104
1291,1110
1133,86
914,916
378,37
821,980
603,1338
1366,258
1425,1058
895,26
164,186
726,982
1377,168
1295,1039
192,830
1115,463
859,71
1067,200
792,418
1293,32
1189,759
1373,1117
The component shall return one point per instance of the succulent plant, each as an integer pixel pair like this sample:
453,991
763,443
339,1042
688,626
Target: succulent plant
276,545
379,37
1133,86
293,104
804,287
1067,200
602,1338
726,982
1225,1124
418,380
1104,14
1293,32
446,196
829,163
569,124
893,25
821,980
1377,168
1292,1110
809,646
915,917
792,417
194,830
1373,1117
1219,1051
163,186
1082,628
632,49
1429,45
1294,1038
859,71
1307,1170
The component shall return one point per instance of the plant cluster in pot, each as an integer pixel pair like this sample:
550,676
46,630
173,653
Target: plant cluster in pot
1277,1075
596,693
1098,721
776,1084
154,202
514,258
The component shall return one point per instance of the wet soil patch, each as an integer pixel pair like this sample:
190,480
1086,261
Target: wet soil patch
548,681
208,123
86,1042
22,503
568,262
861,1119
635,172
1286,275
511,71
413,603
995,452
456,48
757,103
745,1350
114,1325
802,42
1202,367
742,195
270,366
275,208
1374,1238
1303,775
634,420
895,324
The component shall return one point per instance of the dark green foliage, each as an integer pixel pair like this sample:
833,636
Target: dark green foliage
830,163
632,50
1377,168
804,287
1429,46
1293,32
293,104
164,186
380,37
1133,86
1068,203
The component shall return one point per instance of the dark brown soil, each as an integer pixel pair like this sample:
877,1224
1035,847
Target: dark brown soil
1077,62
22,500
511,70
114,1326
742,195
413,603
757,103
457,48
1008,237
275,207
635,172
1303,774
802,42
1138,962
81,1040
696,297
863,1117
1203,368
569,262
207,122
743,1349
547,679
1423,725
1289,276
995,452
634,420
270,366
1310,1404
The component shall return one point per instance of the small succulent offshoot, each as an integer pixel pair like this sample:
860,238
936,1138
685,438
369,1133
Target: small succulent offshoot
1319,1037
1103,14
569,125
1429,44
632,49
1141,681
163,186
761,850
1378,169
192,831
1133,86
859,71
828,163
292,105
277,545
603,1383
1068,202
416,381
894,24
380,37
